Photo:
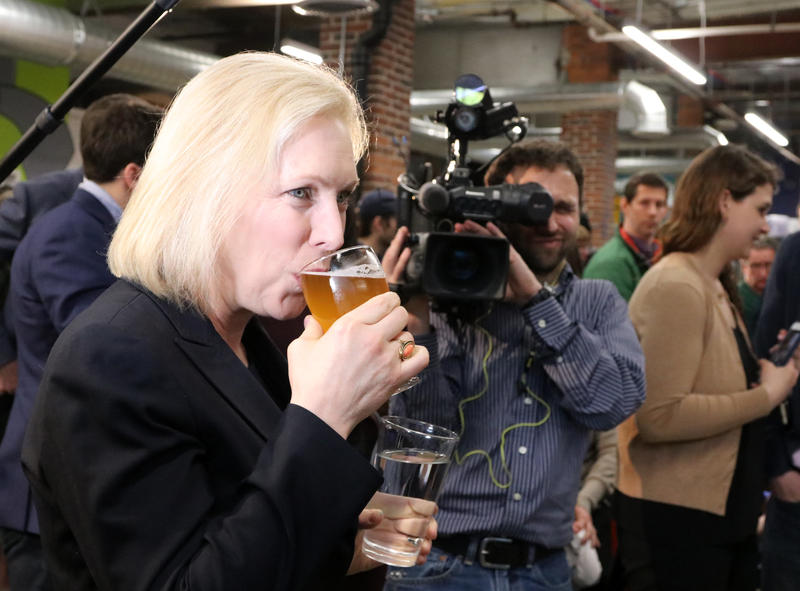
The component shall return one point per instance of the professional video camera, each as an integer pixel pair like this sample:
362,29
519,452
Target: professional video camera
452,266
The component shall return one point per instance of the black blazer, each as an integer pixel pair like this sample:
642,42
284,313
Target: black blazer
779,309
158,460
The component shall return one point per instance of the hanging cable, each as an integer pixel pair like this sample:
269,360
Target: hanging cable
523,385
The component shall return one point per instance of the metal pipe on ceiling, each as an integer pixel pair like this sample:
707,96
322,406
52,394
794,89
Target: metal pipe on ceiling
54,36
592,20
700,32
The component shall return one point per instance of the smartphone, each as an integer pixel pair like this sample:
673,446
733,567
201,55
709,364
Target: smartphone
786,347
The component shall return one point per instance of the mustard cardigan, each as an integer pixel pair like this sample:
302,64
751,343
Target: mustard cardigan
681,446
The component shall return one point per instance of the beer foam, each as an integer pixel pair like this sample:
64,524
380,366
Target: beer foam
357,271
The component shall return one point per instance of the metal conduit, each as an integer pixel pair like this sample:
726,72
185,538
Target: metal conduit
53,36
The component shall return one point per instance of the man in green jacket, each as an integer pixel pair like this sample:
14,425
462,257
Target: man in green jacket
755,271
624,259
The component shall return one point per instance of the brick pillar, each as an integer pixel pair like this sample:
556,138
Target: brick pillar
690,112
592,134
389,88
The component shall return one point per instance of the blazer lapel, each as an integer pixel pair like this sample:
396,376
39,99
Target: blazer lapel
226,373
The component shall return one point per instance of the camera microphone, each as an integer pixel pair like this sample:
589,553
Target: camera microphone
434,199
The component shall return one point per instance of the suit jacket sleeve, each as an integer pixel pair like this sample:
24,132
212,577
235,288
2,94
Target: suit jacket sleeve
70,272
127,456
777,313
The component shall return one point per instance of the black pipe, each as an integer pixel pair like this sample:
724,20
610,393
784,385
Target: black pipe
52,116
360,58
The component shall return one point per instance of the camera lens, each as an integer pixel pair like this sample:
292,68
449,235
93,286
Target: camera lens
465,119
465,267
462,265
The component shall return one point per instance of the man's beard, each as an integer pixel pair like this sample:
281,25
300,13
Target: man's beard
543,261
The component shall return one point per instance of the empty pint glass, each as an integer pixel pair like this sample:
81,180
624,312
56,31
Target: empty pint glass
413,457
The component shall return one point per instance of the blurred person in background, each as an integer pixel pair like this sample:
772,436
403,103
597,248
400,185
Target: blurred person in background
634,248
780,544
691,459
755,271
377,220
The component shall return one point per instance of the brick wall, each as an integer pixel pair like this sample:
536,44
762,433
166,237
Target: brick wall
389,89
587,61
592,135
690,112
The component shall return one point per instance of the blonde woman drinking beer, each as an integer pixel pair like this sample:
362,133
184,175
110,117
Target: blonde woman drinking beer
171,447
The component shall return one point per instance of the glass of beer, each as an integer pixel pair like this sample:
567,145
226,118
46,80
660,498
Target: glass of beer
413,457
336,283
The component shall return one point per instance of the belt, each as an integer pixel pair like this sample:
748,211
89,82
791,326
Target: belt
493,552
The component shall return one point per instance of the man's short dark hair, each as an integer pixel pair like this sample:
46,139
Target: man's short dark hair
648,179
115,130
540,153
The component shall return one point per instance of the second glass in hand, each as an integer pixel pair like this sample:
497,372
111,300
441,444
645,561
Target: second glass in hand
336,283
413,457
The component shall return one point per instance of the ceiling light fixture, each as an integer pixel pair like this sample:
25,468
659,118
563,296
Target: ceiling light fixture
721,138
671,59
301,51
766,129
330,8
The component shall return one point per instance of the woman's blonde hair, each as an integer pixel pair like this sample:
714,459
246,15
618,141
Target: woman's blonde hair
223,134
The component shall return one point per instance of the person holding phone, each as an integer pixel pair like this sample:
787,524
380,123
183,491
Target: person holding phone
780,563
691,459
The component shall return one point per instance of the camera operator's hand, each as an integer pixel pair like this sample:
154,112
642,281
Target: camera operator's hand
522,283
394,264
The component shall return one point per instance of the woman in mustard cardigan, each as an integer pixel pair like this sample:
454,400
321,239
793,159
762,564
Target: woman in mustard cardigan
691,475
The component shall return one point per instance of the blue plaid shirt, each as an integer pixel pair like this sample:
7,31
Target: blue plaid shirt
525,387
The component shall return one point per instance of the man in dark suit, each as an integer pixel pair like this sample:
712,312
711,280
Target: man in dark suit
59,268
780,568
29,201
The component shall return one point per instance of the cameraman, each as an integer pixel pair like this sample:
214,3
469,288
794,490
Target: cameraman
525,384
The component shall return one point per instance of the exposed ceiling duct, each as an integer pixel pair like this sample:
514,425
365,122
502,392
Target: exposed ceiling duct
55,37
657,164
643,112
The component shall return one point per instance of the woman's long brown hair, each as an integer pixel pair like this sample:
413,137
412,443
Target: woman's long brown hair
696,213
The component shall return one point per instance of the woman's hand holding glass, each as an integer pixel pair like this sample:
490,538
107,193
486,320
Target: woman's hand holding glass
345,374
396,516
